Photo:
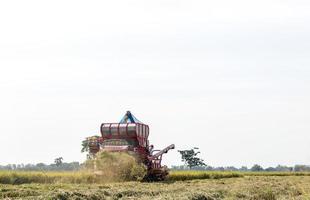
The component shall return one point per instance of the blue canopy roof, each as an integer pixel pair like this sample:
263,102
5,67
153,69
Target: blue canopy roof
129,118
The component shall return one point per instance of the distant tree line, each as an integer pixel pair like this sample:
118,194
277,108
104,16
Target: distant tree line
72,166
193,162
254,168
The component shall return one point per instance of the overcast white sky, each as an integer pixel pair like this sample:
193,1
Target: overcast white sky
230,77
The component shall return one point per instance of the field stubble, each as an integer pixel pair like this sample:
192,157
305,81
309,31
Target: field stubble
192,185
246,188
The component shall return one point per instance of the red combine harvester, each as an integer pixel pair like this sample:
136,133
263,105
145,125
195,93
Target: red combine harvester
130,135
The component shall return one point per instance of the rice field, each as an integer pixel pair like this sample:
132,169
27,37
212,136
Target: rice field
191,175
192,185
81,177
21,177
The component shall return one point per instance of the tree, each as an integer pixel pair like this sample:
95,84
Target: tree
40,166
257,168
87,143
282,168
189,157
301,168
271,169
58,161
85,147
244,168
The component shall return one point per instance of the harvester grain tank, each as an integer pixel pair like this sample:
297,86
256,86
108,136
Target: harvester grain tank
131,135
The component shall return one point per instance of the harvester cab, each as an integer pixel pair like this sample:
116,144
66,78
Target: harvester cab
131,135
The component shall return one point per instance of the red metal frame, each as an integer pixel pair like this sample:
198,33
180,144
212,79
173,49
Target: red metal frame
141,135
